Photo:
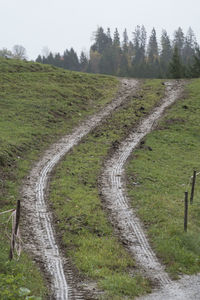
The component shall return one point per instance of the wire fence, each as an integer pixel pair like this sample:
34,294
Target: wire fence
14,237
192,182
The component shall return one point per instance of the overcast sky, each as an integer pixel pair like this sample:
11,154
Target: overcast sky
61,24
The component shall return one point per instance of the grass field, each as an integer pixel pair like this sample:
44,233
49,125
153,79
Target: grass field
38,104
82,223
162,176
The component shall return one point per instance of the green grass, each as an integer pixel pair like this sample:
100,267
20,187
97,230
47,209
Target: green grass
162,176
81,221
38,104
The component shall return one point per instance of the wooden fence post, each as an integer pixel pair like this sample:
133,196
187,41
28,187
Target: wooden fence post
193,185
186,212
12,246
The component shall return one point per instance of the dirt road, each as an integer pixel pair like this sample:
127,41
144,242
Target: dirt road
123,216
38,230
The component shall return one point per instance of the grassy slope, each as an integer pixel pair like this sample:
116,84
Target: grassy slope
38,104
163,176
82,223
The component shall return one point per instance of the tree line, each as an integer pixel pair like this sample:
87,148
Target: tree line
139,56
18,52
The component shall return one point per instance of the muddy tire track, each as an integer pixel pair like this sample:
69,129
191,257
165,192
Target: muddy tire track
113,192
38,231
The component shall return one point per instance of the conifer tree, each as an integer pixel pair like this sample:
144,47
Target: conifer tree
109,38
179,40
139,48
116,38
190,44
195,66
83,62
175,66
39,59
125,42
153,57
57,60
101,41
166,53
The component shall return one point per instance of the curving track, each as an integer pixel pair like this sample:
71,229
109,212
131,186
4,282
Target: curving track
113,192
38,230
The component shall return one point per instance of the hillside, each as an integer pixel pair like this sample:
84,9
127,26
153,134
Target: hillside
38,104
163,175
63,135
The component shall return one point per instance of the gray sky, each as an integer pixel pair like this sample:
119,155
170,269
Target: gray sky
61,24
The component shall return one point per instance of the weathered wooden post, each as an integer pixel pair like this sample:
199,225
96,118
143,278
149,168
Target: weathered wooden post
186,212
14,233
193,185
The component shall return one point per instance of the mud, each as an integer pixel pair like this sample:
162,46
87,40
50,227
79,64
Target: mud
38,232
114,195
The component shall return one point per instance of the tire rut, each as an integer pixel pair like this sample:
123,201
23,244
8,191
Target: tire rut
113,191
38,230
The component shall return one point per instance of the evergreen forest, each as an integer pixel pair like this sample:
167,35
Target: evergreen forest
137,56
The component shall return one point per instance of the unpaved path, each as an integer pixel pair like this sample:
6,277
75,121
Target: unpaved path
187,288
38,229
124,218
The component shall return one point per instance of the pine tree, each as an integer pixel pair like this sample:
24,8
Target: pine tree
139,48
50,59
102,41
39,59
116,38
94,61
195,66
125,42
190,44
73,60
58,60
83,62
166,53
175,66
153,56
179,40
109,38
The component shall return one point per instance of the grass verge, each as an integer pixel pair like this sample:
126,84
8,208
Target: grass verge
81,221
38,104
162,177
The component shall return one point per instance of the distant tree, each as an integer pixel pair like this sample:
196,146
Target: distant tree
166,53
19,52
125,42
116,38
50,59
95,58
179,40
58,60
39,59
6,53
102,41
195,66
153,56
109,38
138,51
152,47
74,61
175,66
83,62
189,47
